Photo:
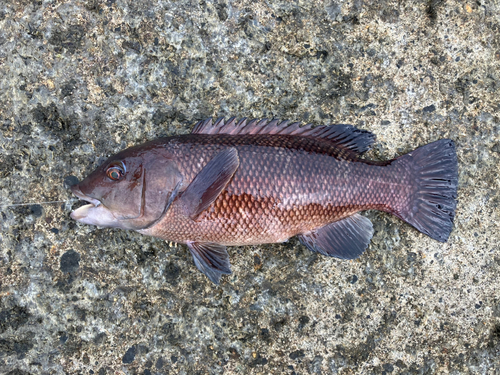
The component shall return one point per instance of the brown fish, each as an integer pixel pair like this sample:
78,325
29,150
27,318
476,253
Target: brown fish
253,182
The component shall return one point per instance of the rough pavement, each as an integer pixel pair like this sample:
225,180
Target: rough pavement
80,80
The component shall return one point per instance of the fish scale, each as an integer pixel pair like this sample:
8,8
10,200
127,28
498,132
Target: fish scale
278,190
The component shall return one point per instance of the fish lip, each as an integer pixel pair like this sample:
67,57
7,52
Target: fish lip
76,190
94,213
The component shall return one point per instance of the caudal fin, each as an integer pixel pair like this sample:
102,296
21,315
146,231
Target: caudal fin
431,209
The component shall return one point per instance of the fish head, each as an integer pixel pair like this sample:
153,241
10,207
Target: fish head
130,190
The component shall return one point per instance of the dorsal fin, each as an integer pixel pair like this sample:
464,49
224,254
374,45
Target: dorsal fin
341,135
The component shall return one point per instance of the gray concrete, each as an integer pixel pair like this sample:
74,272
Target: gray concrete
80,80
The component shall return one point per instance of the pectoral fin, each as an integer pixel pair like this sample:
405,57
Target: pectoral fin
344,239
210,182
211,259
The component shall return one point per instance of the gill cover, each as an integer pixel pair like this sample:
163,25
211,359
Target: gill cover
161,183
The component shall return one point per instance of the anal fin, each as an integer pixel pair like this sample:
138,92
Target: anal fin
345,239
212,259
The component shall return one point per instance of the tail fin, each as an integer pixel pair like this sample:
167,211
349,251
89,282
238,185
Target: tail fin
432,206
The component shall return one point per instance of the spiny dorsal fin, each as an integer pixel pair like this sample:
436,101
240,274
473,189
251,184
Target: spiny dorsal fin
341,135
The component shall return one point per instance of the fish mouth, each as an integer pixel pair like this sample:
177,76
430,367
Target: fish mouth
93,213
93,202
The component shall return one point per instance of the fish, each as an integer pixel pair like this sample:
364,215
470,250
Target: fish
250,182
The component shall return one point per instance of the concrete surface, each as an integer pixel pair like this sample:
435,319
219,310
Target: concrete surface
80,80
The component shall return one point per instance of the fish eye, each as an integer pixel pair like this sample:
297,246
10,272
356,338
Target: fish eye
116,171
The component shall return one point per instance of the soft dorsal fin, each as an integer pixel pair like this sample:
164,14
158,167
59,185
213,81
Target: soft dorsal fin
341,135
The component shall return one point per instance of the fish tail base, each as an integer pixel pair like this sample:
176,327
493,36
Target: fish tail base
431,209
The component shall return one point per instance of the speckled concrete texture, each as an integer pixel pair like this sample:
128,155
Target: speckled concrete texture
80,80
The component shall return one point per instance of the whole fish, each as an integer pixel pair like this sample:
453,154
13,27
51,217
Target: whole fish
263,181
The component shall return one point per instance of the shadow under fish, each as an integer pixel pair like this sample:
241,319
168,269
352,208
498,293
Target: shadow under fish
263,181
